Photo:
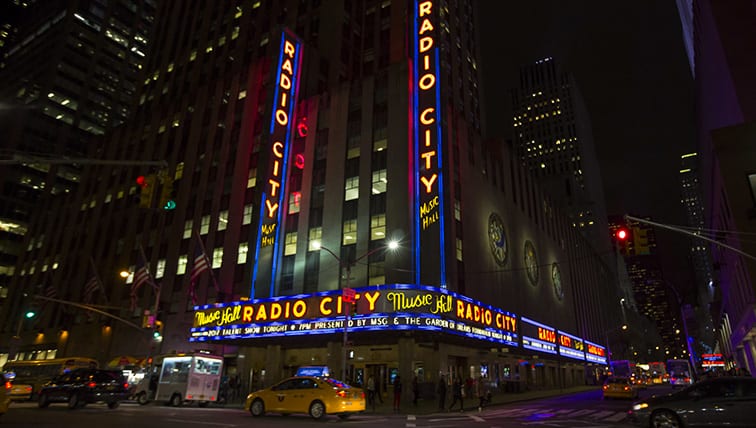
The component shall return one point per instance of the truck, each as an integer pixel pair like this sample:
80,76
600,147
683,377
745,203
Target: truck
182,378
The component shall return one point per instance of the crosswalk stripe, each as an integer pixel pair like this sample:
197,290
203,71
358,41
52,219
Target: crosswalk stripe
616,418
603,414
582,412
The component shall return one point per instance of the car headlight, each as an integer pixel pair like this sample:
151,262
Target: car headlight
639,406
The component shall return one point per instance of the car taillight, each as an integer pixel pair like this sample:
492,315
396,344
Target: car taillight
8,385
627,388
91,384
606,387
126,385
362,394
342,393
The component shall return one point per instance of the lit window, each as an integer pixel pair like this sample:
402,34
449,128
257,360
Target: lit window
314,236
294,202
352,188
241,258
205,225
247,219
459,249
457,211
379,182
252,178
242,94
181,268
160,271
223,220
350,232
290,245
378,227
217,257
188,229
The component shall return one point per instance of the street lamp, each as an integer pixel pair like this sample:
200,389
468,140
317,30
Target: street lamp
606,335
391,245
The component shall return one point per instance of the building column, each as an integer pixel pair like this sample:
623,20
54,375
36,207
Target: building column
273,364
406,367
749,355
334,358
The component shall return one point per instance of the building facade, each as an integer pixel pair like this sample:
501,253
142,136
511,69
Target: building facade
302,138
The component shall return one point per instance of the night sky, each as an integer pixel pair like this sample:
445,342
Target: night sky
629,62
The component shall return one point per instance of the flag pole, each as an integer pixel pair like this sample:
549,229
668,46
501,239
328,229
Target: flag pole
152,280
210,266
99,281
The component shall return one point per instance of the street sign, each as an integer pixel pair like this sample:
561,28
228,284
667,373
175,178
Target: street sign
347,295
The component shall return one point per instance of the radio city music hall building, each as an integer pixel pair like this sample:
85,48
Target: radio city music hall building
326,150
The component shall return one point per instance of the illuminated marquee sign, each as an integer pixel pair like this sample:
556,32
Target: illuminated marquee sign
274,188
571,346
537,336
381,308
712,360
427,145
595,353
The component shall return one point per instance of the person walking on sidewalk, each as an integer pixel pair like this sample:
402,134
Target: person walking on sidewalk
441,390
397,393
457,395
371,392
483,394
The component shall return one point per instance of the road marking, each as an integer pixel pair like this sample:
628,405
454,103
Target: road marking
411,417
477,418
616,418
603,414
581,413
189,421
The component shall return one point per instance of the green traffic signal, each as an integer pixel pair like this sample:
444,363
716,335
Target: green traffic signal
169,205
30,314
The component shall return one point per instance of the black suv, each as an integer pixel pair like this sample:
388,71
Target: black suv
82,386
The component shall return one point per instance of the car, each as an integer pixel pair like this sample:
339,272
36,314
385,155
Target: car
5,393
316,396
80,387
619,387
723,401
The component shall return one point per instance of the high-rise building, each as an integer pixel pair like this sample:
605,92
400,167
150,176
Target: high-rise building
301,138
69,72
724,40
553,137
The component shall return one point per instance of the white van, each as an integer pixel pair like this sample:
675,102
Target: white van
182,378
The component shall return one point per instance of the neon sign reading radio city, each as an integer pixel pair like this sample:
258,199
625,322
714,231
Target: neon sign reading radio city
427,117
280,129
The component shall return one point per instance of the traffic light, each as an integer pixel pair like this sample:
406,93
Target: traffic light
166,192
157,333
622,234
147,183
31,313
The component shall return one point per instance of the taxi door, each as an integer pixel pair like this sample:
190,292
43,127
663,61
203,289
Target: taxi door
307,391
283,400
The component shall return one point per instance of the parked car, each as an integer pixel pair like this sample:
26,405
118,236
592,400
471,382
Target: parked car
724,401
83,386
5,393
619,387
316,396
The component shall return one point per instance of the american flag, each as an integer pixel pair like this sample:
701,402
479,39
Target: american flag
51,292
201,264
141,276
89,289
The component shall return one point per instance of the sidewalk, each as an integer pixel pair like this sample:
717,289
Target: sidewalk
430,405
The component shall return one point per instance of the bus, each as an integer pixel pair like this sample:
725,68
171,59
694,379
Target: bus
679,372
32,375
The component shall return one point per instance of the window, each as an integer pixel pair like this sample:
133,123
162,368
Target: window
457,210
459,249
379,182
217,257
352,188
223,220
378,227
294,202
247,214
252,178
160,271
350,232
181,268
205,225
241,258
290,246
315,235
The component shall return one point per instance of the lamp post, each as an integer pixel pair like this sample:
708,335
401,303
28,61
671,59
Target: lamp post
623,327
392,245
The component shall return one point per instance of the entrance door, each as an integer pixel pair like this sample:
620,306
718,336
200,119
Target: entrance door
380,374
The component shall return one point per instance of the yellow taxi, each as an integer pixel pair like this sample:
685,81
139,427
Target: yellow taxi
314,395
619,387
5,390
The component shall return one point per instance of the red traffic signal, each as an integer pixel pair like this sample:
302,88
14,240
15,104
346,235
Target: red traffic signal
141,181
622,234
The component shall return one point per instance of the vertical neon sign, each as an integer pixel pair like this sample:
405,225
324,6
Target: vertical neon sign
430,267
272,200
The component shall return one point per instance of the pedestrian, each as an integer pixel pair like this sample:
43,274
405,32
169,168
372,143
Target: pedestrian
371,391
441,390
397,393
415,390
457,395
483,393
